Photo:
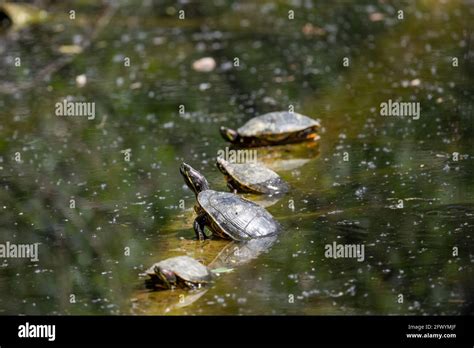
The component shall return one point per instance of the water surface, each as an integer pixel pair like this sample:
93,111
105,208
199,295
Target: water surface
347,189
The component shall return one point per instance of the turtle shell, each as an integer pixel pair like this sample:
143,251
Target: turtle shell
185,267
275,123
253,177
236,217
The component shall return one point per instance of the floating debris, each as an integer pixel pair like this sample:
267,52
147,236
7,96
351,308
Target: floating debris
206,64
222,270
311,30
70,49
81,80
376,16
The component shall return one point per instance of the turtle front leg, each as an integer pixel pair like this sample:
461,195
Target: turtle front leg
231,185
231,188
199,224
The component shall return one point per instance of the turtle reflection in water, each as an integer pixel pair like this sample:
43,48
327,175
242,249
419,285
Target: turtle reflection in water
225,214
287,157
274,128
162,302
238,253
251,178
178,272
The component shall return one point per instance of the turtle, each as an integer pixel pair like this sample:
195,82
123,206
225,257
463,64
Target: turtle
178,272
274,128
251,178
226,214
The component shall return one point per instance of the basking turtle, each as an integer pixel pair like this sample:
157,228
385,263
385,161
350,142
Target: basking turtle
178,272
274,128
225,214
251,177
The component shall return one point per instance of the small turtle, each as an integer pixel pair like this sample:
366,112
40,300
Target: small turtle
178,272
225,214
274,128
251,177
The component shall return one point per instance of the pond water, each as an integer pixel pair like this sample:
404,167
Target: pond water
402,187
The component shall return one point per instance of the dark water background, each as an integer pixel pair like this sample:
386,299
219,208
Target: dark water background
283,62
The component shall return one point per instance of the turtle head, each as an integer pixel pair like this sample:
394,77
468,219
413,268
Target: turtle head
221,165
229,134
195,180
167,277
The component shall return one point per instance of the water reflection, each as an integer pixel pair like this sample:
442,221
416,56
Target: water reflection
129,214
